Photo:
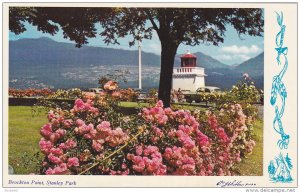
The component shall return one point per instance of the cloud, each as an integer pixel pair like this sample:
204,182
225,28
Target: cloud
154,48
224,57
241,57
234,49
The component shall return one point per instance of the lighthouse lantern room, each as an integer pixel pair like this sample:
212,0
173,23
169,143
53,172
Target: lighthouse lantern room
188,77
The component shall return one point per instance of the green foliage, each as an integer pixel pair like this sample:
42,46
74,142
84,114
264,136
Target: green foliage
18,15
244,92
67,94
31,162
179,25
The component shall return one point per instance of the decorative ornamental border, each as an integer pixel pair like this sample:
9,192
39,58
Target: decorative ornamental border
279,168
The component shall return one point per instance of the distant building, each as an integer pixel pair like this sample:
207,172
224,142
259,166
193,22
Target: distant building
188,77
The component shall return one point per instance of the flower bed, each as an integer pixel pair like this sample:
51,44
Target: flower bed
19,93
93,138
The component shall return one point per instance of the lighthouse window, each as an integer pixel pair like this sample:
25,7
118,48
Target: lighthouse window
190,61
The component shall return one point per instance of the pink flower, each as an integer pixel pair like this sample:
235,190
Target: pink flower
162,119
246,76
69,144
117,137
150,163
159,104
202,139
185,128
98,145
54,159
61,169
45,146
84,129
116,95
104,124
110,85
80,122
73,162
68,123
61,132
49,171
79,104
46,131
89,95
130,156
54,137
221,172
139,150
168,111
157,131
56,151
51,115
139,167
124,166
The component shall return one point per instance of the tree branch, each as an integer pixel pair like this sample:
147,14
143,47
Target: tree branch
152,21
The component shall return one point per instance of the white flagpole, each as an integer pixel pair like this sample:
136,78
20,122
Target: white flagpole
140,64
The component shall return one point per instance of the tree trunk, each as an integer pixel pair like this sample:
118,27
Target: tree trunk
168,52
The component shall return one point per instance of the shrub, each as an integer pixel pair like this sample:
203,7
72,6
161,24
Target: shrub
129,95
19,93
92,138
67,94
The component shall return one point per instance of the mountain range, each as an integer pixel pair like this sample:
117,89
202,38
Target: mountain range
57,64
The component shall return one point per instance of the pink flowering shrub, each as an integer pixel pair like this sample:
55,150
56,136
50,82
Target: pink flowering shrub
93,138
110,85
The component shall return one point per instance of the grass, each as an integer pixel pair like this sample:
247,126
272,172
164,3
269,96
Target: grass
24,137
187,106
133,104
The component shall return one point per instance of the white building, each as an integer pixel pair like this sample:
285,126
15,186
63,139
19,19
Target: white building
188,77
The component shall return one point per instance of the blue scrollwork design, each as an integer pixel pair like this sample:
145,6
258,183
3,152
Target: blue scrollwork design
279,169
278,87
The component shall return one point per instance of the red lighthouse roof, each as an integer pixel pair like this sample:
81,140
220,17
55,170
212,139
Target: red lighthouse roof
188,60
188,55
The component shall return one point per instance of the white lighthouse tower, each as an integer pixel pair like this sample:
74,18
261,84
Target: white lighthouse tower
188,77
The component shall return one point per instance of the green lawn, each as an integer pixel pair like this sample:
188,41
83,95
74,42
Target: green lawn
187,106
133,104
24,137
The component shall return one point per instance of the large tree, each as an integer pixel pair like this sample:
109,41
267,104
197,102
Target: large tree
174,26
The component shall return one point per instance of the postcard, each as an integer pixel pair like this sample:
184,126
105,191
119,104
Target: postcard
150,95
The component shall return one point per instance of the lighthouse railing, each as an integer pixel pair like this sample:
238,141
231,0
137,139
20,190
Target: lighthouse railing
188,70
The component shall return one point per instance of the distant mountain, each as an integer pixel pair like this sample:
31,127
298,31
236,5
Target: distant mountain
253,66
45,51
44,62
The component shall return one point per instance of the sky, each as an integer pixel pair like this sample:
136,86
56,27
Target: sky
234,50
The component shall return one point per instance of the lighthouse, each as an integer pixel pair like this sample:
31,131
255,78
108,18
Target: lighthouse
188,77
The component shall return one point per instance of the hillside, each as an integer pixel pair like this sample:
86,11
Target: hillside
253,66
45,51
44,62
